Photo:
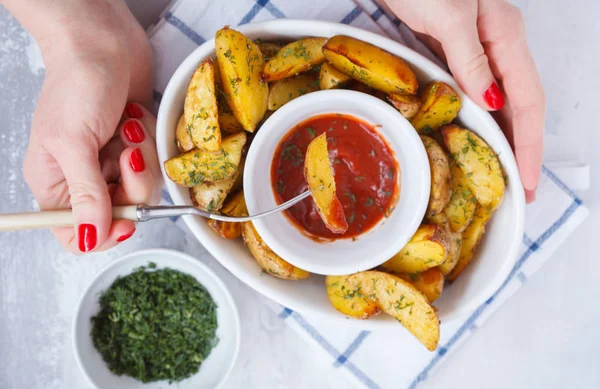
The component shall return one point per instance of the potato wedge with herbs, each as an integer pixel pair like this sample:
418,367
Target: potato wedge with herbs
455,240
479,163
407,105
440,105
210,196
461,208
470,240
370,65
441,183
234,206
268,49
283,91
429,247
200,108
294,58
182,136
321,182
197,166
430,282
229,123
270,262
345,295
398,299
240,63
330,77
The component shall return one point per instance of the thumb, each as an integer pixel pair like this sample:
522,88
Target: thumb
90,199
468,62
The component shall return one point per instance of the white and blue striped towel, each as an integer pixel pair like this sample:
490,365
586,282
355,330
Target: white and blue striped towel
557,212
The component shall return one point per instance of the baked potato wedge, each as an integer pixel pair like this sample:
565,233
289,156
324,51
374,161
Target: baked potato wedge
479,162
330,77
197,166
345,295
294,58
430,282
370,65
429,247
234,206
407,105
441,182
440,105
240,63
283,91
229,123
182,136
270,262
268,49
470,240
200,108
321,182
455,240
210,196
398,299
461,208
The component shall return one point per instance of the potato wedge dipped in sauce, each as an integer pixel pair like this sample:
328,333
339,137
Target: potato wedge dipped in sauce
321,182
365,170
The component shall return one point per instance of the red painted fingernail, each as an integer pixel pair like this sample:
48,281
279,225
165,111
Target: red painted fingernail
87,236
493,96
134,111
136,160
134,131
126,236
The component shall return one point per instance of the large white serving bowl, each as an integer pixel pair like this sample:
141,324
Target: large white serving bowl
495,257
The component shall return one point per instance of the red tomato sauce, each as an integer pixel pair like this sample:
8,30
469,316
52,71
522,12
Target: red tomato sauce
366,174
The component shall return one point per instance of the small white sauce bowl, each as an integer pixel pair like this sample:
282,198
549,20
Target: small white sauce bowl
213,371
371,248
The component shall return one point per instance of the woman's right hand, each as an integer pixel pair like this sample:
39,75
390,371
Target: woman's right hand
88,148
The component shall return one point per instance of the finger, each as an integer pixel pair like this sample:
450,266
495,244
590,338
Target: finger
109,160
506,44
134,134
138,111
467,60
138,183
89,197
433,44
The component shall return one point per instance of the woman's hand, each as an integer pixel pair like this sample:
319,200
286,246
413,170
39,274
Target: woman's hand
484,44
88,150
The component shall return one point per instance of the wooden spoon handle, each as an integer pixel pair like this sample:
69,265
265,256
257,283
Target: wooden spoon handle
61,218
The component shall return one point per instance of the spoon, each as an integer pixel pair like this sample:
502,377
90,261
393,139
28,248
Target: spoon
136,213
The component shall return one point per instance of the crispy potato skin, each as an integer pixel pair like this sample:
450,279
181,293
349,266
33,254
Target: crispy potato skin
430,282
470,240
319,177
269,49
407,105
182,136
234,206
455,240
398,299
210,196
294,58
429,247
440,105
441,183
283,91
461,208
240,62
478,162
270,262
345,295
370,65
197,167
331,78
200,108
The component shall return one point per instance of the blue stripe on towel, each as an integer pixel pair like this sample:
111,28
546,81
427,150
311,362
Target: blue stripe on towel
184,28
353,346
352,15
260,4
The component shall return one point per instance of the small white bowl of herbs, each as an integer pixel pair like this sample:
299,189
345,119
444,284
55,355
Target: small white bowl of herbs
154,319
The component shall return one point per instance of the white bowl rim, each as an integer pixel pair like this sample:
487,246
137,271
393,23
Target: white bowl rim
395,231
275,26
226,294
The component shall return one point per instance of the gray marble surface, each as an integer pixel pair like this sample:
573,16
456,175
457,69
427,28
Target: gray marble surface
546,336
